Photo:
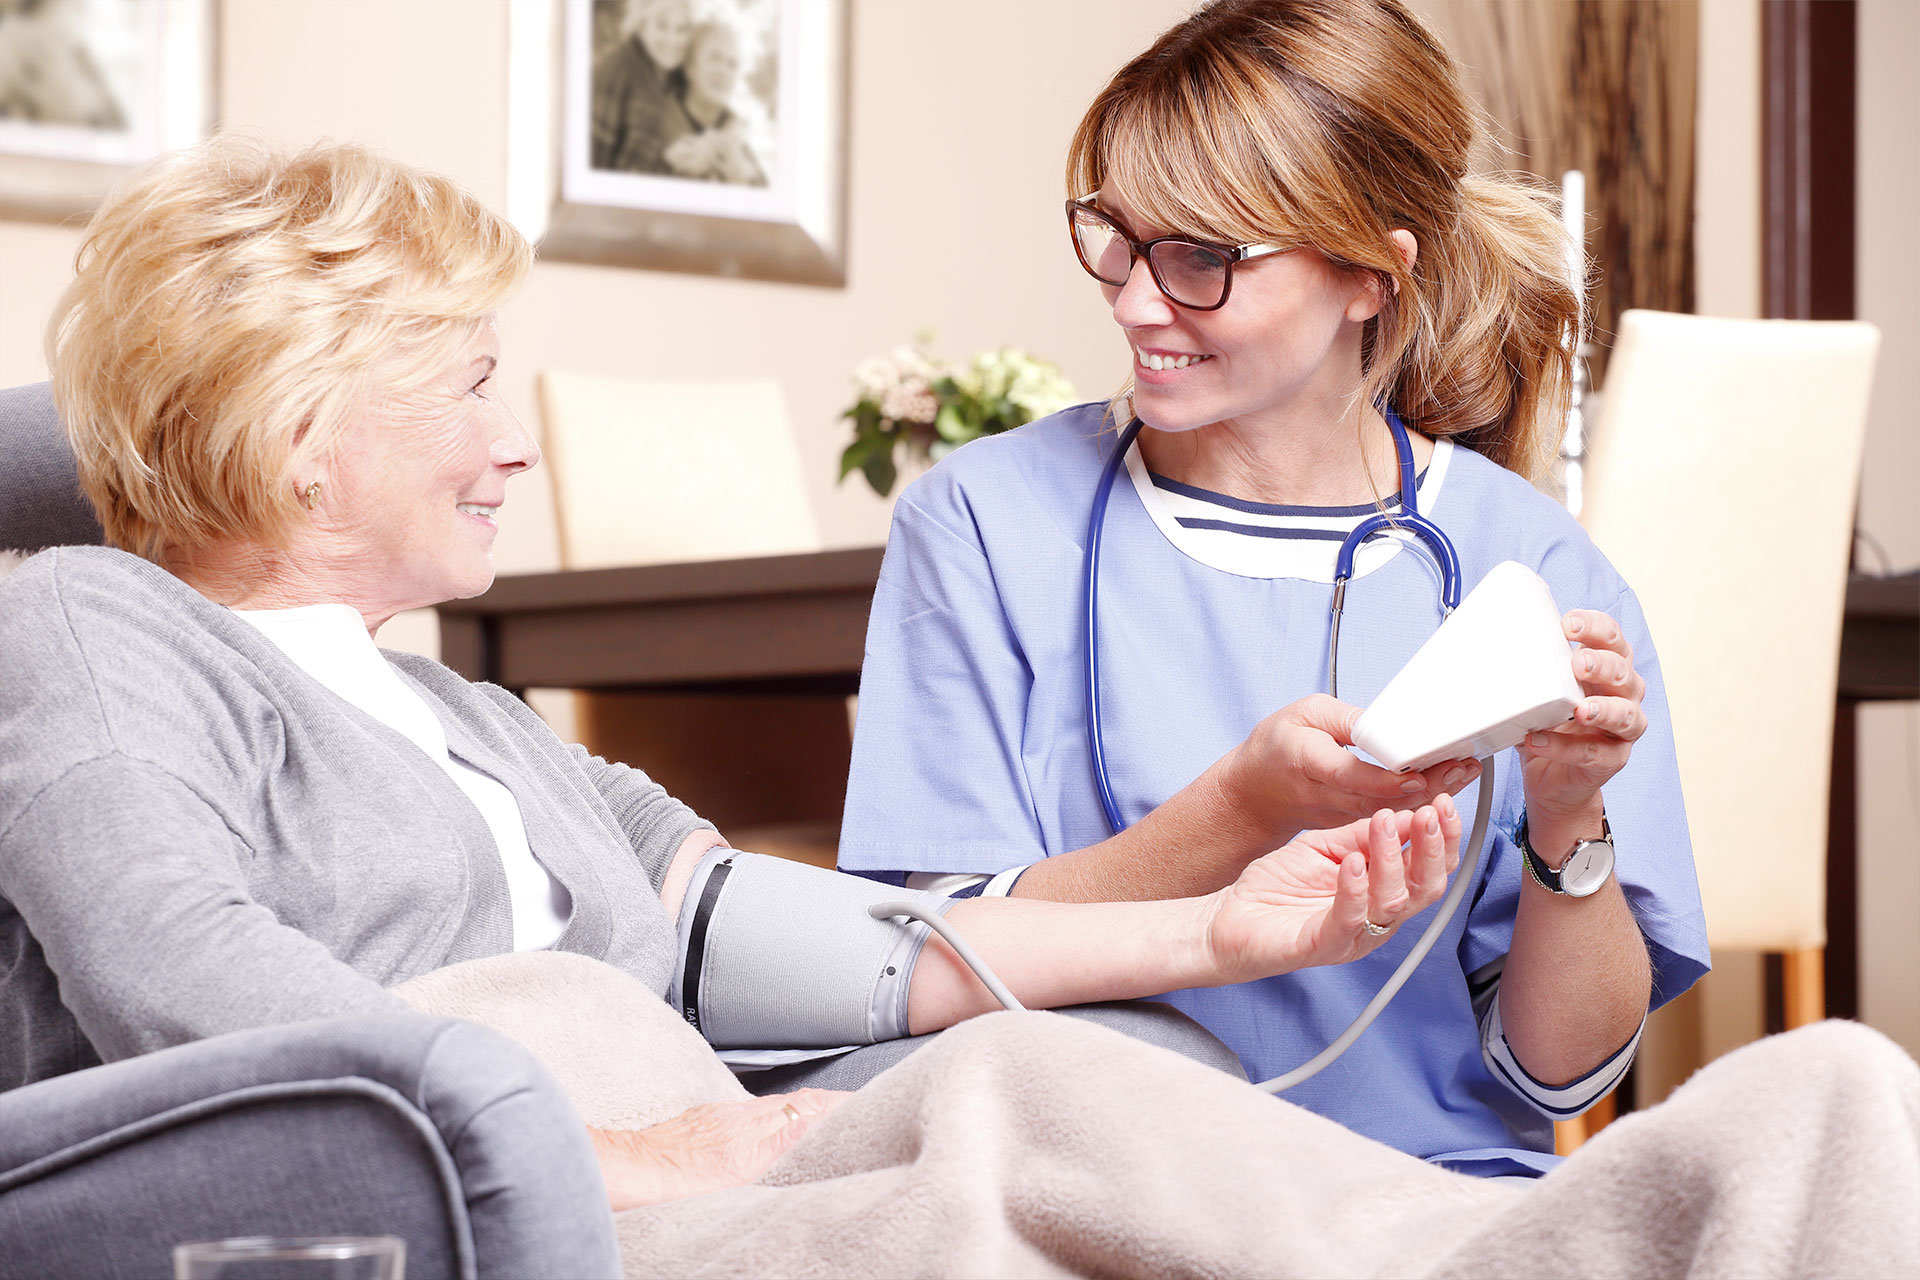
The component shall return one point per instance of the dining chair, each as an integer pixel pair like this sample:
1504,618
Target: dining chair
656,470
1721,481
651,470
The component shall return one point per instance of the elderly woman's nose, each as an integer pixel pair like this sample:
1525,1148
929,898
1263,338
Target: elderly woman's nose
1139,301
514,445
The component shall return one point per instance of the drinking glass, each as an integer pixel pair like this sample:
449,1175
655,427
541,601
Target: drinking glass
267,1258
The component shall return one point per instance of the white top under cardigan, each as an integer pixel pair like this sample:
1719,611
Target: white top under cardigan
330,643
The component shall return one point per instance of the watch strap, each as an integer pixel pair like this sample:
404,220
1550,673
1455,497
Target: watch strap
1549,878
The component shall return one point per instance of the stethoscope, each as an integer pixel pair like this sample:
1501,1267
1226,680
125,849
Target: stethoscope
1440,547
1407,520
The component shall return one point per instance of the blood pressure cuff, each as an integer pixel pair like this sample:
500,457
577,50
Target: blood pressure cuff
778,953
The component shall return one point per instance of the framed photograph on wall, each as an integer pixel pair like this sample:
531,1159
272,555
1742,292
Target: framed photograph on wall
90,88
706,136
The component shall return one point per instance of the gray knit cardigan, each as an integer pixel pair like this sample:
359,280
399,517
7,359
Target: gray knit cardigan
196,836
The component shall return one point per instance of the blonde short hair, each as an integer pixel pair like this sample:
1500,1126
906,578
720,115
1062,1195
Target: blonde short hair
235,305
1330,124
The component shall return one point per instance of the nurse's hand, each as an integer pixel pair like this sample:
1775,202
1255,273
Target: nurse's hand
1565,767
1309,903
710,1147
1294,772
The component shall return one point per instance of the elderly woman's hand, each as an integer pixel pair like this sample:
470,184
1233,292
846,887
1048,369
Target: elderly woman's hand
706,1148
1294,773
1309,903
1565,767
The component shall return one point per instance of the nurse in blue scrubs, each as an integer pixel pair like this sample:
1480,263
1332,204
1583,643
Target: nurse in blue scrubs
1274,201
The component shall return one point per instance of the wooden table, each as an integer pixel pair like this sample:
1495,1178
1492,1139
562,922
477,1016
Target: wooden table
794,623
798,623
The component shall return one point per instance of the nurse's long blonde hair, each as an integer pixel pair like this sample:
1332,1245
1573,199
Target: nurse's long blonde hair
1330,123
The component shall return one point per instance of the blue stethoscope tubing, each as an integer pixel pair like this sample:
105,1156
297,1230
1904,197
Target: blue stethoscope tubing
1446,558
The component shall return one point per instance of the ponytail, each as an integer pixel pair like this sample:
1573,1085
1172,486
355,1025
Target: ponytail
1479,344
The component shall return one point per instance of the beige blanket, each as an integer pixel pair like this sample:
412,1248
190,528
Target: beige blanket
1030,1145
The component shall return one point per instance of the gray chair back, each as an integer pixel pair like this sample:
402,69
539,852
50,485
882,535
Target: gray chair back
40,500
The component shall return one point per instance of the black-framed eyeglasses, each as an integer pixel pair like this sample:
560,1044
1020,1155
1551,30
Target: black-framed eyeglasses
1197,274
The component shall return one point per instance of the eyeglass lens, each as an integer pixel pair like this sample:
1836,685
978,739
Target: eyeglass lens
1193,275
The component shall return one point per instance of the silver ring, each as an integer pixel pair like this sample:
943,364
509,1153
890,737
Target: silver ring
1373,930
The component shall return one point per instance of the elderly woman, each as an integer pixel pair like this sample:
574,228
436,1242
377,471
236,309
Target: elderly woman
221,806
1324,317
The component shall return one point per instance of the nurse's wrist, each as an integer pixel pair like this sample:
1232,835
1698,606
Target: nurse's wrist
1553,830
1240,787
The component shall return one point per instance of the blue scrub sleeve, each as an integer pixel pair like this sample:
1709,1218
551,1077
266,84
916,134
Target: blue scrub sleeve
938,783
1653,852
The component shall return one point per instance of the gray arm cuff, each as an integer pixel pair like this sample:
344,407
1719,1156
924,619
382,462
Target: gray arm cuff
778,954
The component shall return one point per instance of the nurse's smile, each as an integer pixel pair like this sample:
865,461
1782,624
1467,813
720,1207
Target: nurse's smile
1161,366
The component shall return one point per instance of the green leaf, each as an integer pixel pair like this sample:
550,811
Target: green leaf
951,426
854,454
880,471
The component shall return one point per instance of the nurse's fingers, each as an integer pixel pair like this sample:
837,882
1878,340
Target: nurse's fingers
1324,757
1352,787
1450,776
1619,719
1323,712
1573,749
1608,674
1596,630
1386,869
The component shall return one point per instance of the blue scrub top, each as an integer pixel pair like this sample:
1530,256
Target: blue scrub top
970,753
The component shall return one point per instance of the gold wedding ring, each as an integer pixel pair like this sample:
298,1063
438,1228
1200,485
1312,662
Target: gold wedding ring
793,1112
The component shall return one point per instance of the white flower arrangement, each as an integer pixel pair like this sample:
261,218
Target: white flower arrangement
933,407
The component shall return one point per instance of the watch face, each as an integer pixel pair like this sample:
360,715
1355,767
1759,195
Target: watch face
1587,869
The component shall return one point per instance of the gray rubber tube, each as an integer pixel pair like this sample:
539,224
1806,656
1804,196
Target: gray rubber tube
1462,877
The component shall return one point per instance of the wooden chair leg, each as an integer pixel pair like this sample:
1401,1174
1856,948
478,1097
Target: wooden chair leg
1569,1134
1803,982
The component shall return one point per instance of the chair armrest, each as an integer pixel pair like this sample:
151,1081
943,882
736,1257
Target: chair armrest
438,1131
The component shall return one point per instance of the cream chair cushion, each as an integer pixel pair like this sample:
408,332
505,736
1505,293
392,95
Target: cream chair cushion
1721,483
651,470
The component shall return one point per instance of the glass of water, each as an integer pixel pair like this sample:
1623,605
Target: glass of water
266,1258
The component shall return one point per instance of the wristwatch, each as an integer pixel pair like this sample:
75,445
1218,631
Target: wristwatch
1588,867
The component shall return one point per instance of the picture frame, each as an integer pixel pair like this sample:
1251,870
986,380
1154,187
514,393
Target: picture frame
771,202
91,88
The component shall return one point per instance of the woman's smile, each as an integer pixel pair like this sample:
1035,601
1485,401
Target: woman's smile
1158,364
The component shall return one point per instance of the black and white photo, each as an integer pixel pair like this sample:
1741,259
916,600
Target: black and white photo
691,135
686,90
90,87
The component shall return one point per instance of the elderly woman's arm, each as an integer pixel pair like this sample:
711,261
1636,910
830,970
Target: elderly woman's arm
1300,906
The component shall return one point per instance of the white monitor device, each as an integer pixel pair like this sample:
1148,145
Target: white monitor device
1498,669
